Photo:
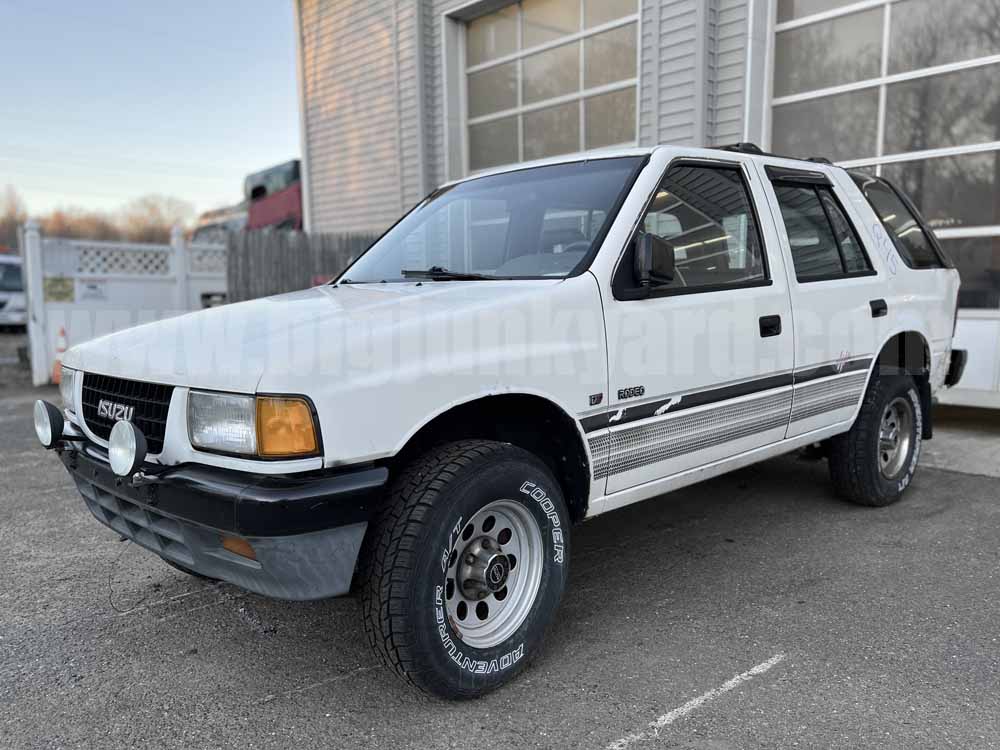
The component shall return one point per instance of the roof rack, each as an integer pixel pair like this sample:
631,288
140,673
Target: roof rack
744,148
755,150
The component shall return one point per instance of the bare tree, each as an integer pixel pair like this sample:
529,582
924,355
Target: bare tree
150,218
12,215
76,223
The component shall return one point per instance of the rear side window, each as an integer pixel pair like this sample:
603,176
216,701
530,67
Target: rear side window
824,245
912,243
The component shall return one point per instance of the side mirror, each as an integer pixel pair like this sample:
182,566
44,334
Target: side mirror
654,260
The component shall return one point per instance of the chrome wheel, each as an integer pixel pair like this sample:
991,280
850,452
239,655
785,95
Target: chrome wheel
494,572
895,436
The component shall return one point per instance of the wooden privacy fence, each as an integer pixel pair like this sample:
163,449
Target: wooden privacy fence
269,262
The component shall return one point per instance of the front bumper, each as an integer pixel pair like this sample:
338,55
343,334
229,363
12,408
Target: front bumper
13,318
306,529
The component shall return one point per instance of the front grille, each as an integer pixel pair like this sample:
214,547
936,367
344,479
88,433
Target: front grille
150,401
143,526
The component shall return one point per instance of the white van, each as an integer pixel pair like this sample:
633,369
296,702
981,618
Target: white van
13,303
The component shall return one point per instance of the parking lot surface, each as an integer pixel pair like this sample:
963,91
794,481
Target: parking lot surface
755,610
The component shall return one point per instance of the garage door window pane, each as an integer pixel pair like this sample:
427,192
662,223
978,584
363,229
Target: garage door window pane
492,36
493,143
925,33
545,20
552,131
837,127
596,12
946,110
978,264
830,53
609,57
952,191
789,10
552,73
493,90
610,118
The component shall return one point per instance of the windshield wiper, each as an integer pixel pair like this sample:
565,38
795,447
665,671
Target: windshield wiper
437,273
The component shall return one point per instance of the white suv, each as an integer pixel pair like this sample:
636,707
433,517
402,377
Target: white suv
524,350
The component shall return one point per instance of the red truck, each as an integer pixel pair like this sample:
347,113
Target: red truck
274,197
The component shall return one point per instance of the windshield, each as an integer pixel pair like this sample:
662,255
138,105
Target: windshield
10,277
532,223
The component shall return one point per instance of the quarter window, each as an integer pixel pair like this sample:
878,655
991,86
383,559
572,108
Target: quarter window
705,213
913,244
824,245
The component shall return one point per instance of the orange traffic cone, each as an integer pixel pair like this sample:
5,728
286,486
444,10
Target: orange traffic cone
57,362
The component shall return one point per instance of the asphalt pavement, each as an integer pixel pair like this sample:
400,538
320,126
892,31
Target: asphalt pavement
752,611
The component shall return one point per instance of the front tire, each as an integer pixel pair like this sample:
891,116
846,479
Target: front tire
464,567
874,462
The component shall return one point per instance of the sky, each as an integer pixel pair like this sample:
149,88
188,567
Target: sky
104,101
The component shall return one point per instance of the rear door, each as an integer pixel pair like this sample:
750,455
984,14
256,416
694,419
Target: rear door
701,369
838,298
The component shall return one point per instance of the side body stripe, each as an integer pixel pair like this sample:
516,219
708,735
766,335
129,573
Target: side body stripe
668,427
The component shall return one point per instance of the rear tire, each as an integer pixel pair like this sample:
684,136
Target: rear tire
464,567
874,462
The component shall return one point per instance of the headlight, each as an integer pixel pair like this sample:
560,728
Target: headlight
222,422
67,388
265,426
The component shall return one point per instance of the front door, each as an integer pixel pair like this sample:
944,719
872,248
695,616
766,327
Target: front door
701,369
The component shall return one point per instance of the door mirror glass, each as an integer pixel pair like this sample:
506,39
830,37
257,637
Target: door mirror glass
654,260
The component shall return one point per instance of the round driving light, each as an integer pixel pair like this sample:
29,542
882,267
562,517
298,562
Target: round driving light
48,423
126,449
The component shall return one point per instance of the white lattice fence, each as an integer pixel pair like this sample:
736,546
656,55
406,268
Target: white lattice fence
210,259
79,289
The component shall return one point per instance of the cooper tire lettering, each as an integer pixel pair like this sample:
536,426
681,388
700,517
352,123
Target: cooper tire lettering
539,495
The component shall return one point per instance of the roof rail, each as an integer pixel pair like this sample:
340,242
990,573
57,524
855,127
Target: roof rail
755,150
744,148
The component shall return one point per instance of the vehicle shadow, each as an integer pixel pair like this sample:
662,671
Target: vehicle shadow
668,596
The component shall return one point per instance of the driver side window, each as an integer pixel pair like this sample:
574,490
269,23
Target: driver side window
704,212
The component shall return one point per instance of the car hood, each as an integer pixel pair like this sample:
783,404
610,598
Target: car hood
252,346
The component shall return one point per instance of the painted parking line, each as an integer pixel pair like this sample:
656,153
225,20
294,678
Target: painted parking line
654,727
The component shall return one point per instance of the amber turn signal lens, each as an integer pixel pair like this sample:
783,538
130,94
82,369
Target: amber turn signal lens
285,427
238,546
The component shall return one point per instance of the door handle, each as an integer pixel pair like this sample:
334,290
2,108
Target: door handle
770,325
879,308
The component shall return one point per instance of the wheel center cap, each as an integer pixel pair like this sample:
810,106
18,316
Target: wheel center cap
484,569
497,571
